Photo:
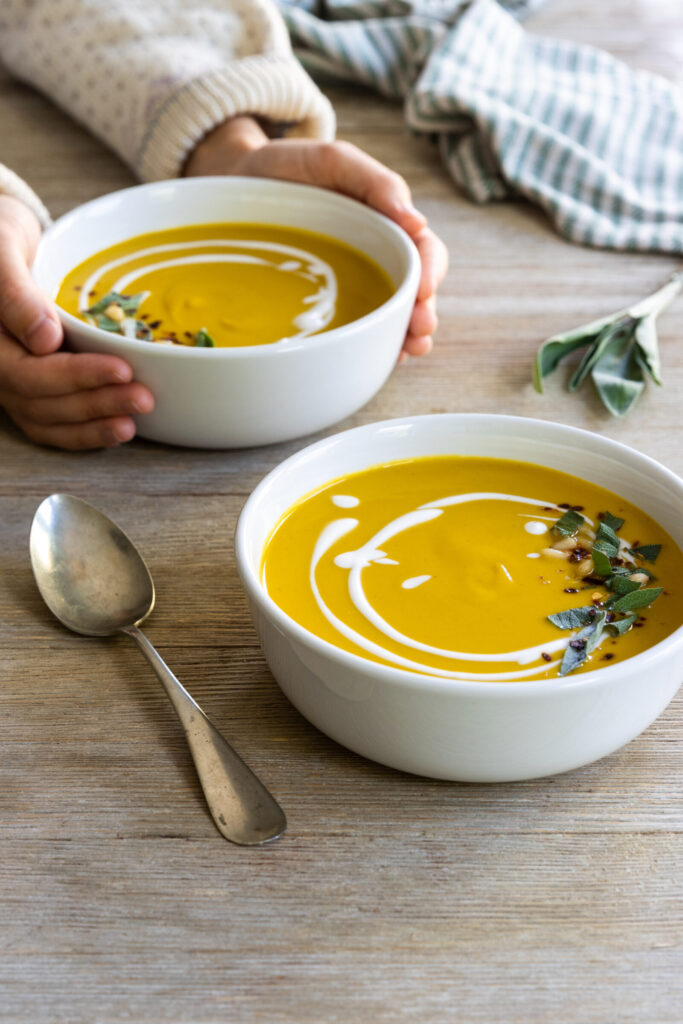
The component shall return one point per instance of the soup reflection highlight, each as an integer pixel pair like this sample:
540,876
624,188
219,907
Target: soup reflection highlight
475,568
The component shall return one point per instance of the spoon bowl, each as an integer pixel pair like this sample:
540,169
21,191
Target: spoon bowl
89,573
94,580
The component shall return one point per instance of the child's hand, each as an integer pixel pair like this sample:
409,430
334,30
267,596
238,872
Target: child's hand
63,399
239,146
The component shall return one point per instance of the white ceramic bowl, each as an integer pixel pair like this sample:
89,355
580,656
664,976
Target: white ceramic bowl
225,398
457,729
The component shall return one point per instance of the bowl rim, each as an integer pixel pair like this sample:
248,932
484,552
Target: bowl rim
494,689
275,349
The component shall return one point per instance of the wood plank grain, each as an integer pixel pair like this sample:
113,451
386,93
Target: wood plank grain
391,898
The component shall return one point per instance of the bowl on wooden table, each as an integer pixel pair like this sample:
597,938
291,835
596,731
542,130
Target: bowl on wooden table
445,726
250,394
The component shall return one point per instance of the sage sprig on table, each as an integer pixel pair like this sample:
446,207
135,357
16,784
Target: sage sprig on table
621,350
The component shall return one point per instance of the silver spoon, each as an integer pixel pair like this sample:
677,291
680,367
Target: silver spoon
94,580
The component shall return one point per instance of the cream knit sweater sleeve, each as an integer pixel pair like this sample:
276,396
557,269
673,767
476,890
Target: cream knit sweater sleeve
151,77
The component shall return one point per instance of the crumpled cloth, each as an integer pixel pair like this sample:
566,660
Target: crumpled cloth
596,144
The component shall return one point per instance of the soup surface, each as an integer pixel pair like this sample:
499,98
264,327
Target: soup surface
475,568
225,285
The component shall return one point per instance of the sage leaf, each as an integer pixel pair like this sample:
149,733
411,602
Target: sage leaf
128,303
649,552
607,540
594,637
617,394
581,645
203,339
601,562
575,652
617,372
623,585
572,618
568,524
105,323
648,348
613,333
636,599
613,522
553,351
621,626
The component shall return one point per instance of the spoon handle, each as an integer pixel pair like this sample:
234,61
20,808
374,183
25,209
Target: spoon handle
242,808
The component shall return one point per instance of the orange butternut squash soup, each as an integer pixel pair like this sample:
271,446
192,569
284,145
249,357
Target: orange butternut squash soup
224,285
475,568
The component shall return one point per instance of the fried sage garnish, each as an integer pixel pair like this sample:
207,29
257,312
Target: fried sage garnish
569,524
116,313
614,615
203,339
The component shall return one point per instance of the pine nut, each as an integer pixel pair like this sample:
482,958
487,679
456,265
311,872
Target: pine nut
566,544
554,553
114,312
585,567
639,577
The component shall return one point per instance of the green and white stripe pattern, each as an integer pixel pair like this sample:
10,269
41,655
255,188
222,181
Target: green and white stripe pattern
596,144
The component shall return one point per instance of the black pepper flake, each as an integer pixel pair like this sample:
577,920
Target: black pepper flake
571,590
577,644
154,324
546,656
93,292
78,287
638,625
563,504
607,657
610,617
144,316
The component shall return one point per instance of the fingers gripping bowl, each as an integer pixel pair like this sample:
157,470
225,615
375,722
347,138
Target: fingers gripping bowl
254,394
442,725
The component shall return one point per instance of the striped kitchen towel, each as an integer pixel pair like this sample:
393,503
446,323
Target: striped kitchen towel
596,144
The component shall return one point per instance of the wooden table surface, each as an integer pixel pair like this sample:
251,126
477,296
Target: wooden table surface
391,897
